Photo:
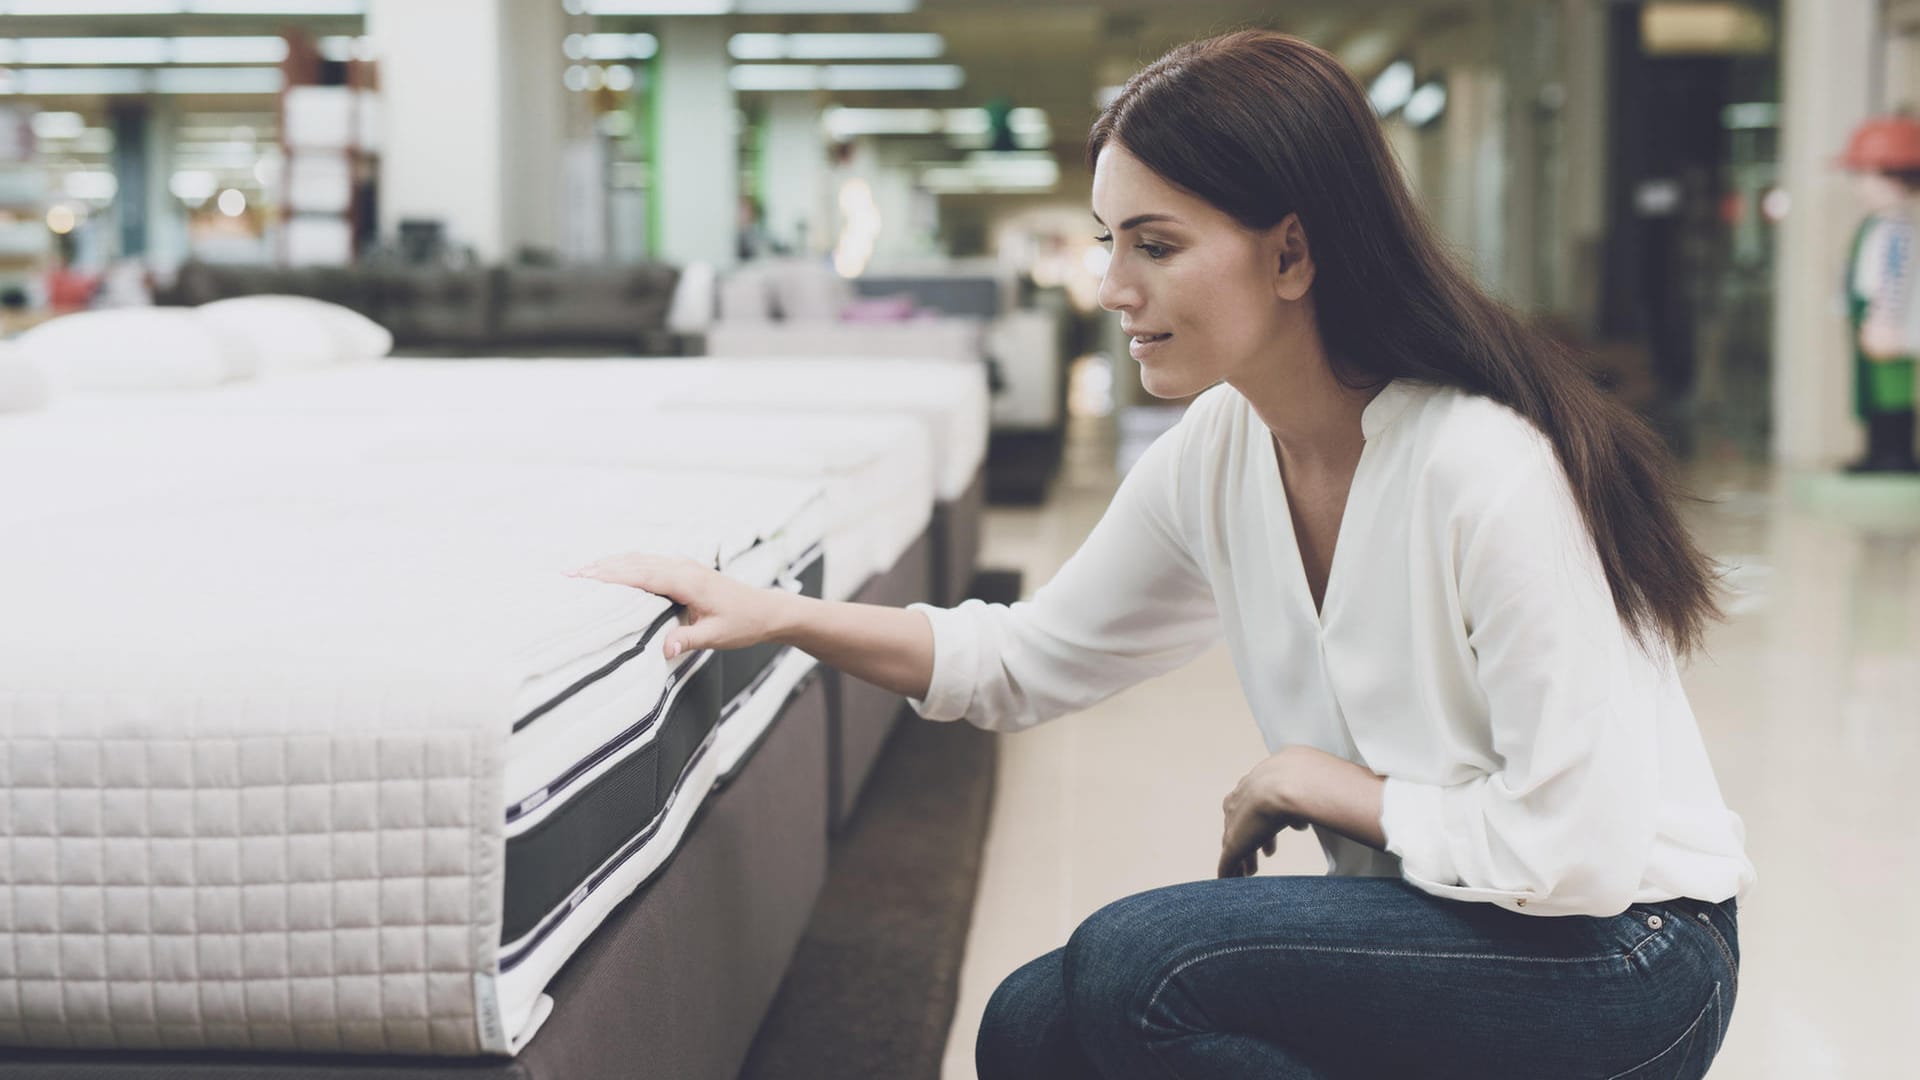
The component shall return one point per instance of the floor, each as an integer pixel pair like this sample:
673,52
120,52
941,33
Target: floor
1809,699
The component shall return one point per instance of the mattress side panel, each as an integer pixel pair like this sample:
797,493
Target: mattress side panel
260,873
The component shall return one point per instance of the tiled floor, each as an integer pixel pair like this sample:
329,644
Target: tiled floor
1809,700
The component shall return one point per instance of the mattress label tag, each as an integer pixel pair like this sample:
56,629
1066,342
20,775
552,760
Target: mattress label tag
493,1034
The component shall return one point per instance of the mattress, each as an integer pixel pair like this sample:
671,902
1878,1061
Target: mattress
874,471
948,399
334,759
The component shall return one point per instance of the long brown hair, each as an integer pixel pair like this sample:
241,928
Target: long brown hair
1263,125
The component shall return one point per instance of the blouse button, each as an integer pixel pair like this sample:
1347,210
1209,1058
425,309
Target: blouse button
1654,922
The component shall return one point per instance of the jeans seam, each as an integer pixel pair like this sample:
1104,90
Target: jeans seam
1174,972
1726,953
1712,1000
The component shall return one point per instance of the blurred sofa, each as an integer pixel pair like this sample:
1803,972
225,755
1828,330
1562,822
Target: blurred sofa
503,310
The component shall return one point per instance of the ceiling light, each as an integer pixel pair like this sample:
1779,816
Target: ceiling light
51,82
97,185
610,46
92,7
1391,88
277,7
192,186
836,46
229,50
653,7
106,50
183,7
826,7
774,77
147,50
235,80
1426,104
894,77
58,125
743,7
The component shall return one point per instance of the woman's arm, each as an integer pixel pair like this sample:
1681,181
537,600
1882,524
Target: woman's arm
889,647
1297,787
1130,604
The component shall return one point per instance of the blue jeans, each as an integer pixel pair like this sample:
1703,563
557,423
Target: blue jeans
1322,977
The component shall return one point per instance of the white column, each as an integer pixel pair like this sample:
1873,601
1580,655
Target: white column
474,119
696,166
539,114
1827,90
795,170
441,88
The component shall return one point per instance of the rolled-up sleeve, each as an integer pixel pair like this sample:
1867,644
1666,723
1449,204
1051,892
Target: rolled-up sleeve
1563,820
1130,604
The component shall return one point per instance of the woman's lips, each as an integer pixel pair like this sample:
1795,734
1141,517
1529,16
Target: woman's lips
1145,345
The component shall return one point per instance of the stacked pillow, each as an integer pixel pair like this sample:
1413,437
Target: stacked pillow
135,350
295,333
131,350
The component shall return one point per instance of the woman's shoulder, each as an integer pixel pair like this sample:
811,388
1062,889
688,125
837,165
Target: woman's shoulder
1471,444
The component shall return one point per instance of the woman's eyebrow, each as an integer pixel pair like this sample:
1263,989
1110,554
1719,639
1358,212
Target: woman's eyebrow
1138,220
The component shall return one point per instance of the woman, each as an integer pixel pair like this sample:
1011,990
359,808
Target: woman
1454,583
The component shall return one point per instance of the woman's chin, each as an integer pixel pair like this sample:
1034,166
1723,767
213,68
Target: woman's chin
1167,385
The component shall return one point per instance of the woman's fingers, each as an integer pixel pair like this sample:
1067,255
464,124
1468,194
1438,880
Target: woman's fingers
656,574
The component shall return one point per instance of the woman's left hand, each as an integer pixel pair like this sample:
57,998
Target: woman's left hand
1257,809
1297,787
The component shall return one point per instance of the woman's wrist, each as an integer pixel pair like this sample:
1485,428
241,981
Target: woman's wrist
786,616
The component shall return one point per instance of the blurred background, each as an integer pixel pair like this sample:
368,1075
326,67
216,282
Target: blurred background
1657,181
1653,178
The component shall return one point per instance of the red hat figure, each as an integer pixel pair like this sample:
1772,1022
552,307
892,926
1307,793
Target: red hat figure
1883,289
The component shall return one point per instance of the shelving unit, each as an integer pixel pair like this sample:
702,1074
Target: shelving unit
26,245
330,135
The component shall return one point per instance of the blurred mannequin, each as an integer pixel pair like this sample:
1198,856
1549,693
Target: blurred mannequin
1883,289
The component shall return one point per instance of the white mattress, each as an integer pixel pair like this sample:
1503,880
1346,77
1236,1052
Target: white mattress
256,736
948,398
876,469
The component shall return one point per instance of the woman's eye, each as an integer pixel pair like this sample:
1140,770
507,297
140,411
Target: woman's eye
1154,251
1103,238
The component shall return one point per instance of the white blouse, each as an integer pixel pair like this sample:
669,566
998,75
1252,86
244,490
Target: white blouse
1467,649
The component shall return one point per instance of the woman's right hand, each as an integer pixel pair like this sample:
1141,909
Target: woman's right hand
721,613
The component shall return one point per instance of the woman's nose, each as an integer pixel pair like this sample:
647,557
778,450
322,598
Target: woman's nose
1115,294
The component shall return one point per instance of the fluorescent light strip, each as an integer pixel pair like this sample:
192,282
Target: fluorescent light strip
1426,104
847,77
837,46
59,82
611,46
650,7
894,77
1028,125
1391,88
182,7
741,7
826,7
277,7
95,51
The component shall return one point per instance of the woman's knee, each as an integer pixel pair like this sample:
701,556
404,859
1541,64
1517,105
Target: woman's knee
1112,958
1025,1032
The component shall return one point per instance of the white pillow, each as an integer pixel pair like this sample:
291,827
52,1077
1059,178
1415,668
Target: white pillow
296,333
22,387
130,350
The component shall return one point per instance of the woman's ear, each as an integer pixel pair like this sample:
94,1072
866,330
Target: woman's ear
1292,259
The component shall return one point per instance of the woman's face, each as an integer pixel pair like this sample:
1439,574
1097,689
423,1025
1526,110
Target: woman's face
1201,296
